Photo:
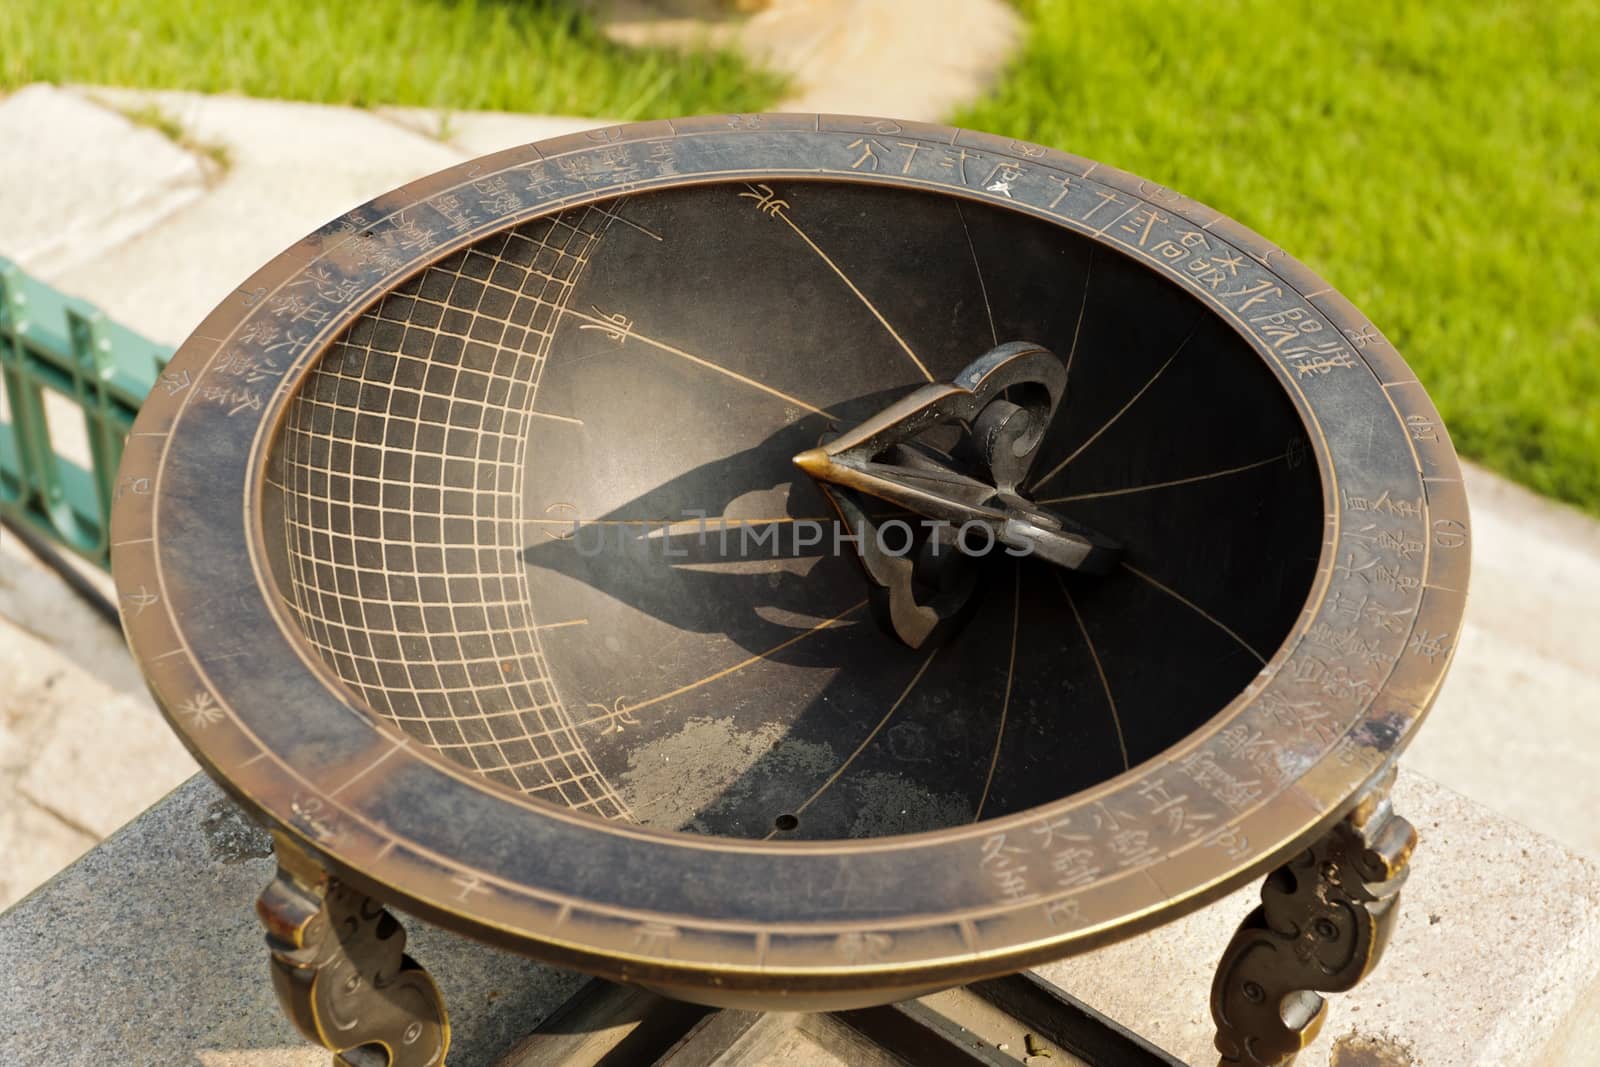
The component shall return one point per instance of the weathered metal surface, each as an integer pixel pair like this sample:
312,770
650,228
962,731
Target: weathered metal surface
349,566
1323,922
341,973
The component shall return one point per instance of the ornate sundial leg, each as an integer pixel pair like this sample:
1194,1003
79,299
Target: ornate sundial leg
341,973
1324,920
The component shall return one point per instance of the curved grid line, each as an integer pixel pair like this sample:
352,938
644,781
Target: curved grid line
402,459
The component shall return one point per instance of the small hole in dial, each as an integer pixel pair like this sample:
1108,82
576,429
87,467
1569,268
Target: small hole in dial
786,822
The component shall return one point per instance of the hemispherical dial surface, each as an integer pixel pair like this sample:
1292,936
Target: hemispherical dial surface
476,553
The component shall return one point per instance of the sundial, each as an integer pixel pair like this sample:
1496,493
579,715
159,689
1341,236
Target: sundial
796,562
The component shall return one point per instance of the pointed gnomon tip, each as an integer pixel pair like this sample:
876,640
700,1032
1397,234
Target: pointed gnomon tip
815,462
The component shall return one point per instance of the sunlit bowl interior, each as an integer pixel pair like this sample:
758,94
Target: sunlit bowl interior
485,512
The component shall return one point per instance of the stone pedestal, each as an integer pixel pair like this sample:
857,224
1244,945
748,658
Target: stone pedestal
147,950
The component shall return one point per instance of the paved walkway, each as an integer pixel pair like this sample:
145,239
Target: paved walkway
905,59
111,210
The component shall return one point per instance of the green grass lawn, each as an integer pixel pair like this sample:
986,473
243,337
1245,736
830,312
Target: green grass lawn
512,55
1439,163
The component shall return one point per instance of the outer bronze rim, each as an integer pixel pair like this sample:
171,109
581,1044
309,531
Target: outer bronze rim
1274,768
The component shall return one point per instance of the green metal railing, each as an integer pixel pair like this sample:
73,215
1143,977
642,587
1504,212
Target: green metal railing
53,343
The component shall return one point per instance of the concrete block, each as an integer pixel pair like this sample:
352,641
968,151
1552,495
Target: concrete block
105,761
1515,724
35,844
80,179
34,599
1495,961
82,747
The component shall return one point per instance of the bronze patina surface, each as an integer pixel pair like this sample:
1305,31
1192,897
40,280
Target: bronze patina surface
355,527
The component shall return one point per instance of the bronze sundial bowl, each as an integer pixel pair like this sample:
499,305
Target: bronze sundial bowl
796,561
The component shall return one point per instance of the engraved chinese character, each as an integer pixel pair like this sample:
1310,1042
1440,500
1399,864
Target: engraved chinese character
1284,326
616,328
540,182
857,947
175,382
200,710
1233,843
1422,428
467,884
1073,867
413,236
1308,718
1257,293
243,400
955,159
766,200
139,600
1449,533
1102,201
1065,181
327,284
1141,222
654,938
663,156
1363,336
912,148
498,195
1001,178
1348,570
1005,869
1430,645
458,218
258,331
1392,578
1319,359
1156,792
1052,831
1064,912
1132,848
869,153
129,484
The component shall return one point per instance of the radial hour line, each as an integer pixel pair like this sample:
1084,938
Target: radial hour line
1059,467
706,363
617,216
901,341
556,418
692,522
1099,668
1083,307
1011,673
1164,485
629,709
978,270
1198,610
862,747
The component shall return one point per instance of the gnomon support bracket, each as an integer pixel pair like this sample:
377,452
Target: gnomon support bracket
1003,402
